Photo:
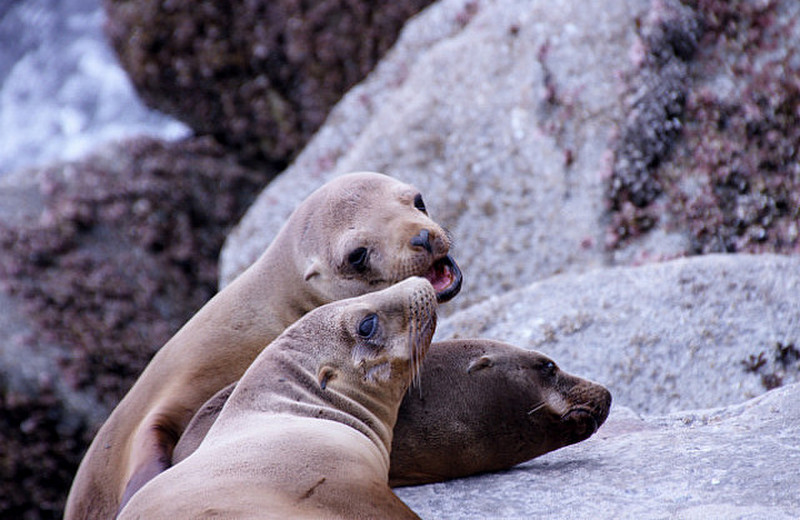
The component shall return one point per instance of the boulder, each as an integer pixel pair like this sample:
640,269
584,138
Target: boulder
691,333
551,140
700,334
258,75
510,147
738,462
102,261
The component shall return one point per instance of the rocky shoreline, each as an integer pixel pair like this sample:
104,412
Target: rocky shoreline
621,180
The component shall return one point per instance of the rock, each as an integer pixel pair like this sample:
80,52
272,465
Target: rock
732,181
558,146
672,336
102,261
737,462
121,251
62,92
509,147
258,75
690,333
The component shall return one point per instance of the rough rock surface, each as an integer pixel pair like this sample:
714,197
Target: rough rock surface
258,75
732,181
548,140
688,333
559,145
102,261
740,462
508,146
671,336
120,251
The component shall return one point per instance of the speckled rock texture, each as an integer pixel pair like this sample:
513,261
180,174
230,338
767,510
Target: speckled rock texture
102,261
701,334
258,75
572,137
561,143
122,251
739,462
729,181
507,146
683,334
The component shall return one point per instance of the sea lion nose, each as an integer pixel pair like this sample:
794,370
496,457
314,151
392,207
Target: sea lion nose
422,240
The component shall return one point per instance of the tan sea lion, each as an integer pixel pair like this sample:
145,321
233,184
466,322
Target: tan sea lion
482,406
357,234
308,429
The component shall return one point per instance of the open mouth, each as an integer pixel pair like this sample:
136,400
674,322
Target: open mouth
445,276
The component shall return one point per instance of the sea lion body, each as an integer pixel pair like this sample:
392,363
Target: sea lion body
307,431
357,234
482,406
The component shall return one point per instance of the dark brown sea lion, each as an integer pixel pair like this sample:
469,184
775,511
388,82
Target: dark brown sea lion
487,406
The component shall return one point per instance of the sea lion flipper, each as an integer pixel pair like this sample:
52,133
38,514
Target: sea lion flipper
152,450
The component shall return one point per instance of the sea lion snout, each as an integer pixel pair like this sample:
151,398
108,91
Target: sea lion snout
589,406
422,240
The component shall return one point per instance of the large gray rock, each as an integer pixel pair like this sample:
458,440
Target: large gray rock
739,462
664,337
549,136
502,114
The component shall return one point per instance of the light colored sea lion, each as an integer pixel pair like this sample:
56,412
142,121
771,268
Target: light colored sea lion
308,430
482,406
357,234
487,406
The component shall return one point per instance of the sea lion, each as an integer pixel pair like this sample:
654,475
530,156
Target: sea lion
486,406
308,429
358,233
482,406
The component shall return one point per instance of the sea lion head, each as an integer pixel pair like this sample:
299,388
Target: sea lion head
365,231
384,335
486,406
559,408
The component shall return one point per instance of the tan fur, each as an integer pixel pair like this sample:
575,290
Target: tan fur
308,429
306,266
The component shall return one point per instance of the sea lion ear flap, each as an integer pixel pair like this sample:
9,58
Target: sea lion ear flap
312,270
325,375
481,362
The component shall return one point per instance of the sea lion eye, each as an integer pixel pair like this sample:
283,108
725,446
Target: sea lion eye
358,258
549,369
368,326
420,204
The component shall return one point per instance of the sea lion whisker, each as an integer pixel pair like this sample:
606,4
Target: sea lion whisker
537,407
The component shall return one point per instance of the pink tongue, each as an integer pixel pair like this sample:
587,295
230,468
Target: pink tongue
440,277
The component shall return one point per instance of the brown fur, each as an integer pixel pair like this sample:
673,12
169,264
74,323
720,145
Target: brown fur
487,406
308,429
472,412
306,266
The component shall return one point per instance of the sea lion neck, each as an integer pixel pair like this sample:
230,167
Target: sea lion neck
298,392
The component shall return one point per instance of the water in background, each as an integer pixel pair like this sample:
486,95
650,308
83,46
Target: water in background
62,92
